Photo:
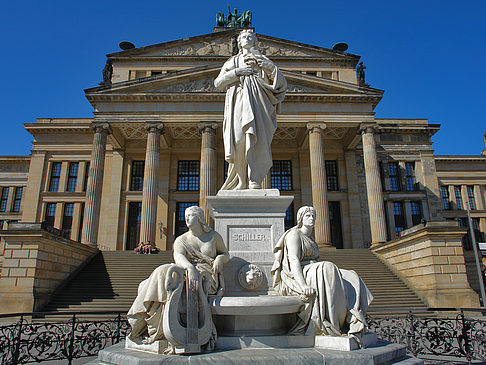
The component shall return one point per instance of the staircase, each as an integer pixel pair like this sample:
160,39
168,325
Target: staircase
109,282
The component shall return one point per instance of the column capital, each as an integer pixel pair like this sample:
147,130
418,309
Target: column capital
314,127
154,127
100,127
368,128
208,127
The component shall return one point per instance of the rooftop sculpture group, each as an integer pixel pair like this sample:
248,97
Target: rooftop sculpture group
233,19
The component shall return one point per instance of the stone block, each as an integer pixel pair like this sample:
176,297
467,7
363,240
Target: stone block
11,262
30,272
28,262
18,272
7,253
456,260
20,254
345,343
33,254
6,282
5,271
449,269
459,278
25,282
446,251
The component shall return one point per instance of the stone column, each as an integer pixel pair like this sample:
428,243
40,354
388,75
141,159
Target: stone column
148,215
319,183
95,181
373,186
207,176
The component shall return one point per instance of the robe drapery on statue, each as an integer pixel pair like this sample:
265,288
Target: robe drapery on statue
341,298
249,114
146,313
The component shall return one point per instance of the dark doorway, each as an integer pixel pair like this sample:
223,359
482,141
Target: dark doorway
335,222
133,229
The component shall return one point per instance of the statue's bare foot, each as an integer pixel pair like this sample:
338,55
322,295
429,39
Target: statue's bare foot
255,185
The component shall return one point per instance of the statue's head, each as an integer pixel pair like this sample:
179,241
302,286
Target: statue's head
195,211
303,213
247,39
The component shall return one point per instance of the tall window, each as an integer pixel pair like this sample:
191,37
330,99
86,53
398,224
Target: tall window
457,191
72,176
81,222
50,214
335,223
55,176
136,180
471,198
332,176
466,239
416,211
3,199
17,199
180,223
446,203
188,175
394,175
281,175
400,224
86,175
67,218
410,176
289,220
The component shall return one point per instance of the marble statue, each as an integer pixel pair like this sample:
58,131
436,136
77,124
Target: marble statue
255,87
335,300
172,303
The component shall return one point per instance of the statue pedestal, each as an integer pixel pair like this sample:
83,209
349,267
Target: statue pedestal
345,343
250,222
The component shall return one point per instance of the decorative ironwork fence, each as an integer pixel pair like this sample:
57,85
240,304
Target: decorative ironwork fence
460,336
36,340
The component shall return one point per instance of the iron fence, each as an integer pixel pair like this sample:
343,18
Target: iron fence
36,337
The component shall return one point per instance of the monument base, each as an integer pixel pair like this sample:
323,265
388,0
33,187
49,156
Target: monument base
383,353
345,343
158,347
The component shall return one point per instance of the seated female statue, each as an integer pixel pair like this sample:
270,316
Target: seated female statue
335,301
199,253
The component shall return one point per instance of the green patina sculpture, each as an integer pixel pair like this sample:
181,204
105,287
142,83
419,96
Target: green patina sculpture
233,19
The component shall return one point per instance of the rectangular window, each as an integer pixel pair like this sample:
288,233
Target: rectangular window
188,175
55,176
81,222
86,175
281,175
446,203
3,199
180,223
410,176
466,239
17,199
416,211
289,221
332,176
72,176
136,180
471,198
457,191
67,218
50,214
400,224
394,175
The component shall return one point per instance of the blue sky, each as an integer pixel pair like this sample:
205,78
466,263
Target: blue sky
429,56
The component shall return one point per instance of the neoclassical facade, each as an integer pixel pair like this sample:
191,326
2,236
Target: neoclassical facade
154,146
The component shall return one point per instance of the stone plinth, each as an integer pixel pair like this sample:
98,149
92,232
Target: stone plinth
250,222
431,261
36,263
345,343
383,353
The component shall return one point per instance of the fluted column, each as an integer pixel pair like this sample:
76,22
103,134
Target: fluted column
94,185
148,215
373,186
319,183
207,176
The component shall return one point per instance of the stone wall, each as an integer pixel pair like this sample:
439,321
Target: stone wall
431,261
35,263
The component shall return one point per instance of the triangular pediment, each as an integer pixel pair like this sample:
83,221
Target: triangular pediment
221,44
201,80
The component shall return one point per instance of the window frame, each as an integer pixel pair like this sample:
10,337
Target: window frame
395,183
4,199
72,178
137,175
188,175
281,176
55,176
330,166
17,201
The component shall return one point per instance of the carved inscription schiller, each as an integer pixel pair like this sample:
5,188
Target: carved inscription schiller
249,238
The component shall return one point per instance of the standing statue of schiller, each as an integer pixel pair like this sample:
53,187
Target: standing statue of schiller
255,86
